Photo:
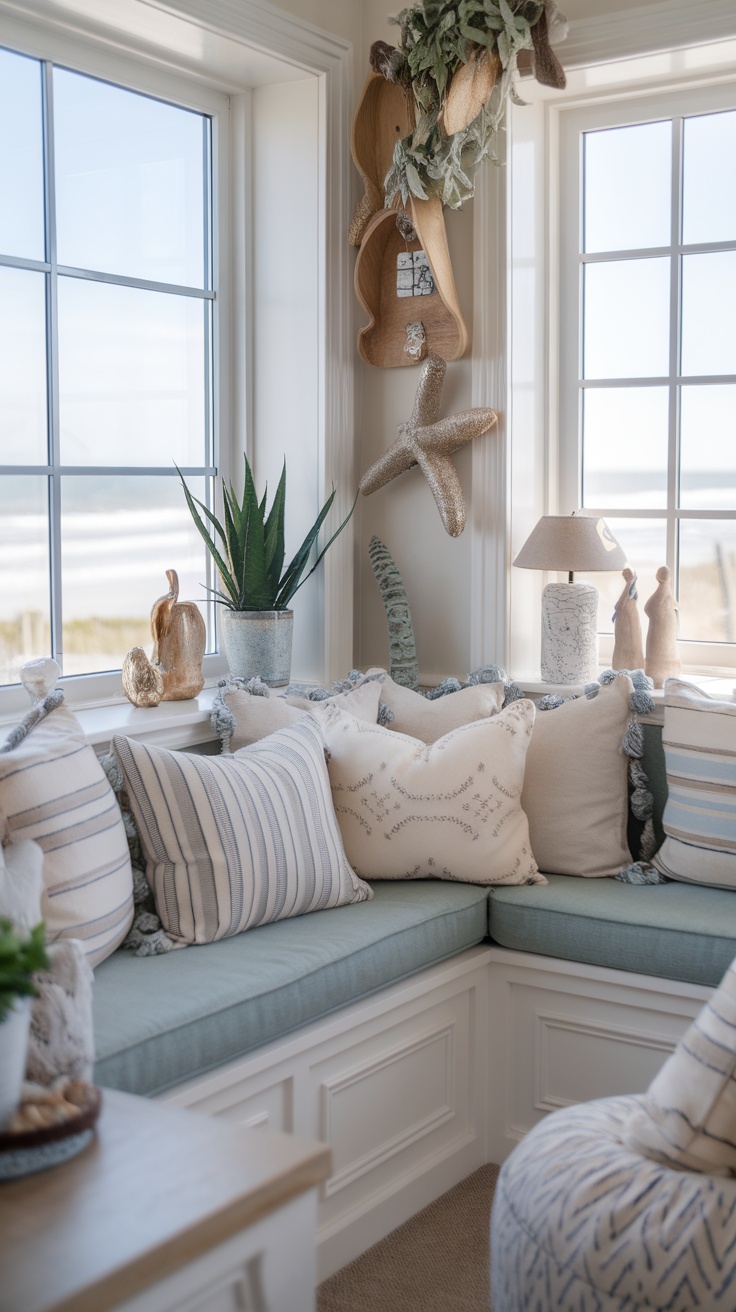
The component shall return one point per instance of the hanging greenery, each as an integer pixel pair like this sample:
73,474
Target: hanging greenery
457,60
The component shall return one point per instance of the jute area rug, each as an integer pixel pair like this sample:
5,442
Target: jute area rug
436,1262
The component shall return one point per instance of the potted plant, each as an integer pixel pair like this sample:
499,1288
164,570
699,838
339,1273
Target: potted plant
256,590
21,954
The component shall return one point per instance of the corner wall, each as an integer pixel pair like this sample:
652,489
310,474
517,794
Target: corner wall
435,568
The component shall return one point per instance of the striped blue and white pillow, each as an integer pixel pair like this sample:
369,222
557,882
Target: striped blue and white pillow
699,819
54,791
688,1117
232,842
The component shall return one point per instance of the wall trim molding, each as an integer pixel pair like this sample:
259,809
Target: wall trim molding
490,458
666,25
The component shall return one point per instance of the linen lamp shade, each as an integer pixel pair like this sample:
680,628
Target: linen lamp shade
572,543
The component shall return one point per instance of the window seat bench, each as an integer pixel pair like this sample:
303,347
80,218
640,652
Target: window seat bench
423,1033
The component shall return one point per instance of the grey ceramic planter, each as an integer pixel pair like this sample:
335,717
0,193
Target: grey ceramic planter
258,642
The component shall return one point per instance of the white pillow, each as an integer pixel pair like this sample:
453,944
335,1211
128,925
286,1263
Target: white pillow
429,719
688,1119
699,740
53,790
576,784
242,717
448,810
232,842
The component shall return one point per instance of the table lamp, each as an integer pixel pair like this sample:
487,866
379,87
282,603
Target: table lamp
570,610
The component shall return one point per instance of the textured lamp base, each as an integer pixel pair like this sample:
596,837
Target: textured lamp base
569,633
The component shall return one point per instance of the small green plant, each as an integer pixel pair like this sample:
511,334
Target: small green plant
249,550
20,955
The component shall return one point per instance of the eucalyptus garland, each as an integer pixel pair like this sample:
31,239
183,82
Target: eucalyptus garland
437,38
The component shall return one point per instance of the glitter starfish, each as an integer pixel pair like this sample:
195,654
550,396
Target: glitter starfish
429,442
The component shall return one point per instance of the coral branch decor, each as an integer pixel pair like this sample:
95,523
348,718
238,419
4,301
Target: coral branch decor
428,441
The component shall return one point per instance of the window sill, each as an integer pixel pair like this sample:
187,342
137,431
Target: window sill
719,686
170,724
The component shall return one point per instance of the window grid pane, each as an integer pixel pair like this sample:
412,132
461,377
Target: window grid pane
675,408
130,370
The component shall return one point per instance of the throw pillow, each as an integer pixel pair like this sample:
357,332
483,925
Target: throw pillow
231,842
53,790
445,810
699,740
576,784
688,1119
420,717
242,717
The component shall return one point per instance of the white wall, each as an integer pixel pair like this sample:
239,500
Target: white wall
435,567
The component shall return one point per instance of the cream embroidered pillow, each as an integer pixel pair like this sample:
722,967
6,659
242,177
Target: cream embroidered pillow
576,784
242,717
429,719
688,1119
445,810
232,842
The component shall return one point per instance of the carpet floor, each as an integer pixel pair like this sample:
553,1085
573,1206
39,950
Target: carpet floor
438,1261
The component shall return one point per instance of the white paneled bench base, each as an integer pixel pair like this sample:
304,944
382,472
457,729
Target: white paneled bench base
397,1084
561,1032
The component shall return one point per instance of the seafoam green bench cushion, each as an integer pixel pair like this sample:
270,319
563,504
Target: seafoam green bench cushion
676,931
165,1019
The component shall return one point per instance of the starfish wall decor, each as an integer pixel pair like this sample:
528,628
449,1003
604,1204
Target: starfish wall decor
429,442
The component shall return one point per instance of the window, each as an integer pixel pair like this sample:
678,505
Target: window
106,361
648,349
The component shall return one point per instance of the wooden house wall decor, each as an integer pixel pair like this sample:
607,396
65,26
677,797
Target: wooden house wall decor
387,339
402,326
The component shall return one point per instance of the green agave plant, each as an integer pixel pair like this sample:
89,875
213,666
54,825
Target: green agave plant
249,550
20,955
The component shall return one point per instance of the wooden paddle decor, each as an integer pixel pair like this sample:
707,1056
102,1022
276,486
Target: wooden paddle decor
384,115
403,326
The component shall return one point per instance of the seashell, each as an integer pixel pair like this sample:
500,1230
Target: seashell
143,684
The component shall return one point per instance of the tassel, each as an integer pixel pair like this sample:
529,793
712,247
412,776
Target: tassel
443,689
114,774
640,702
486,674
633,743
550,702
222,722
648,845
512,693
640,872
386,716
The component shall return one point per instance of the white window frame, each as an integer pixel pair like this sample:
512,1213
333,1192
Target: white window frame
130,76
207,55
516,343
163,85
698,656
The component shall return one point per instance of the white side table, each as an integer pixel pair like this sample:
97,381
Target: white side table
166,1211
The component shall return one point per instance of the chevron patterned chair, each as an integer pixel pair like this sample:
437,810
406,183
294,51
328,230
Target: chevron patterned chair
629,1203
